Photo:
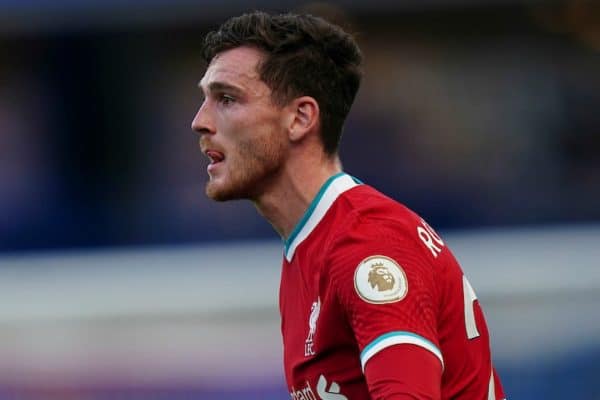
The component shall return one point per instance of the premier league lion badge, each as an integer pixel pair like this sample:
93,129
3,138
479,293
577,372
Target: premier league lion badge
380,279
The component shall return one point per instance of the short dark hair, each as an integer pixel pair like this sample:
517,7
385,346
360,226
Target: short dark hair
305,56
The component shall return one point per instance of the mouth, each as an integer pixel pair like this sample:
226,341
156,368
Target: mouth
215,157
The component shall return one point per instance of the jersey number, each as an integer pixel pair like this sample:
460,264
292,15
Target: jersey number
469,297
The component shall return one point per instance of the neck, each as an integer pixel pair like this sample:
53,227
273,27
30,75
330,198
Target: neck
284,204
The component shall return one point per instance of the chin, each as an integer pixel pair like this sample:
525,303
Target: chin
248,184
225,193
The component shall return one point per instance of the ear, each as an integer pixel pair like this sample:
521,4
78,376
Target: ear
305,115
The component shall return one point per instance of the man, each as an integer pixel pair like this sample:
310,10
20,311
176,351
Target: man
373,304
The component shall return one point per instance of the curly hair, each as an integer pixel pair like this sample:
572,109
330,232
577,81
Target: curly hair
304,56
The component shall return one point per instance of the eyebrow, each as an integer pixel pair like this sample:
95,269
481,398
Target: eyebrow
221,87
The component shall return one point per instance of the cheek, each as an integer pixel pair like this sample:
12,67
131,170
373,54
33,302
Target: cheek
263,142
254,152
252,134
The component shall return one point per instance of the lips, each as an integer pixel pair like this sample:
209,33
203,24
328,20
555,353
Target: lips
215,156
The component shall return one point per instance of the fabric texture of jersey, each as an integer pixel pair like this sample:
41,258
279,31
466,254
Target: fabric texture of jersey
362,273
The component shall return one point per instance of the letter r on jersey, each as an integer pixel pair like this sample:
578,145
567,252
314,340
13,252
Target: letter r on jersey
428,237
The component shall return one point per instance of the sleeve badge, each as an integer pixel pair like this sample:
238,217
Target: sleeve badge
380,279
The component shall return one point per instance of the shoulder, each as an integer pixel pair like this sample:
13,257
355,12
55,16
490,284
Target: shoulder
383,275
379,235
368,218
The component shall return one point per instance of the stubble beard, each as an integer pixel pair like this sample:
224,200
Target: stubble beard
251,171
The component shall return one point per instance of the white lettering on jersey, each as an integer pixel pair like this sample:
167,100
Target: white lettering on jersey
305,393
333,393
431,239
469,297
315,309
492,387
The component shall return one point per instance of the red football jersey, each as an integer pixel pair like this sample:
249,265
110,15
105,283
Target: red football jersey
362,273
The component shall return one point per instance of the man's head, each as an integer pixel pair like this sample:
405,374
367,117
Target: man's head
270,80
303,56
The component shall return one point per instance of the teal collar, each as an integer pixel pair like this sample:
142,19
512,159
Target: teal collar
329,192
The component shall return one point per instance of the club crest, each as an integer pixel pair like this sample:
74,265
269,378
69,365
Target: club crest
315,309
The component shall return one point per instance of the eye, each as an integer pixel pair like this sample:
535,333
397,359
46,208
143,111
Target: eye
226,99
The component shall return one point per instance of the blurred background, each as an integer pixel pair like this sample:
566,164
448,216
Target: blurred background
120,280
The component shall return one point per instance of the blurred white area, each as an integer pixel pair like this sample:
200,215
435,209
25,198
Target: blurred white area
206,314
146,316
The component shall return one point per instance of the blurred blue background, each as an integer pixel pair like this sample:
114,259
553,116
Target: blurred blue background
481,116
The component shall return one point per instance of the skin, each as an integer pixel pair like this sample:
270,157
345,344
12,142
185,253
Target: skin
273,155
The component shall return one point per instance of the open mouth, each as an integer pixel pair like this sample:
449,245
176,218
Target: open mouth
215,156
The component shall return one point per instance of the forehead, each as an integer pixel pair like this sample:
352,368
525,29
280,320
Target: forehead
236,67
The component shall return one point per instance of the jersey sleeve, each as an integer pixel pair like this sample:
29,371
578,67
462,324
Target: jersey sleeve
418,376
385,284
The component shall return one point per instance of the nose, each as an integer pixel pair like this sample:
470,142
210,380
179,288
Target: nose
202,122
